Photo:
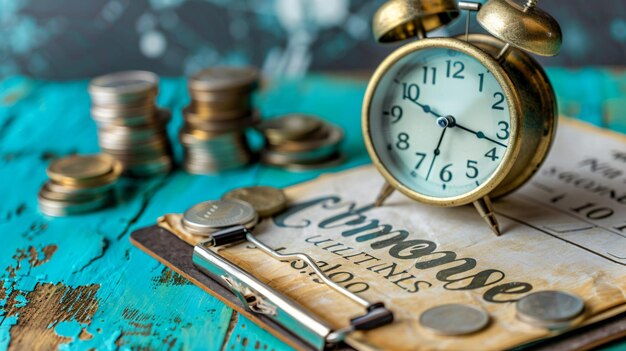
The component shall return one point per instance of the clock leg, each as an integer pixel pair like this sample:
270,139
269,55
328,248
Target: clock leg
384,193
485,209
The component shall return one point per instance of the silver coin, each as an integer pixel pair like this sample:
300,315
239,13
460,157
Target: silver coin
203,162
155,119
208,232
47,193
550,309
202,169
454,319
138,136
123,87
59,208
158,166
70,191
210,215
115,112
156,142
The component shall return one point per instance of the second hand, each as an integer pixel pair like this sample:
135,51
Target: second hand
436,152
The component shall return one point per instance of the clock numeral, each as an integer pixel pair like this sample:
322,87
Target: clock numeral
481,82
445,175
460,68
498,103
434,72
410,92
396,113
505,129
492,154
472,170
403,141
422,156
593,212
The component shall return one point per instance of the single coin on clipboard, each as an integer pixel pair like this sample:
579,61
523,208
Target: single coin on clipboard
416,258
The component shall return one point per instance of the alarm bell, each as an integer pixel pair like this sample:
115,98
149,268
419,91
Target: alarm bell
402,19
523,26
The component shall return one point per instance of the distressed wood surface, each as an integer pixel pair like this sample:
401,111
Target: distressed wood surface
77,283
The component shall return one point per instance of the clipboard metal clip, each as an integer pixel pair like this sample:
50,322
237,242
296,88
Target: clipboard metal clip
260,298
249,298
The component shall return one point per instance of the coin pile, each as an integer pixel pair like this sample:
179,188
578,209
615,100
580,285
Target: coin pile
550,309
78,184
213,135
209,217
300,142
130,126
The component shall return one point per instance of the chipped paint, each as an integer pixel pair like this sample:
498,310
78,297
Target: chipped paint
35,259
169,277
50,306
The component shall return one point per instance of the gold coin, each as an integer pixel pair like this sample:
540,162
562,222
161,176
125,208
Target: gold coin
267,201
290,127
329,136
224,78
78,168
332,161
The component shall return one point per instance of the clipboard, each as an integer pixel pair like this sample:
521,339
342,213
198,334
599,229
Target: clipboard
292,328
176,254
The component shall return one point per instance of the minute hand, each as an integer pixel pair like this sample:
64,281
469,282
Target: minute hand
479,134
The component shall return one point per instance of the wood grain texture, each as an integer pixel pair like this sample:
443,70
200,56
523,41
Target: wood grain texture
77,283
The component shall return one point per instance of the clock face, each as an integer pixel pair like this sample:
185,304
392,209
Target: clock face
439,122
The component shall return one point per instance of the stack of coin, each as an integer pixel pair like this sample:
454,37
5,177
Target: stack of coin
301,142
79,184
130,126
213,135
209,217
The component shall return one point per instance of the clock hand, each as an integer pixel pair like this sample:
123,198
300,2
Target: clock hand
452,123
478,134
449,121
436,152
426,108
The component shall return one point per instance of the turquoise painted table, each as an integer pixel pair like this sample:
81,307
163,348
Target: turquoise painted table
77,283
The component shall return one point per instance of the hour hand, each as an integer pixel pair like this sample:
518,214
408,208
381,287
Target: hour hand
426,108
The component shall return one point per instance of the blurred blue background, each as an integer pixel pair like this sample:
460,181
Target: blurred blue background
68,39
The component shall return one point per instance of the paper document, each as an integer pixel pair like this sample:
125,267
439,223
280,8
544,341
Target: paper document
564,230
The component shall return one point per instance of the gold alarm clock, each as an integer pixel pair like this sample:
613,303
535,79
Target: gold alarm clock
459,120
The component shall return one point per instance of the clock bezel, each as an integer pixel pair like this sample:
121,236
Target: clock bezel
508,90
